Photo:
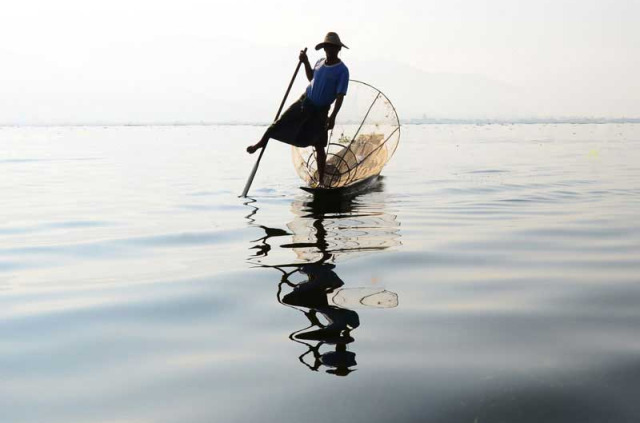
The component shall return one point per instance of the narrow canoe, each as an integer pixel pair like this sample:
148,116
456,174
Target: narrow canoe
355,188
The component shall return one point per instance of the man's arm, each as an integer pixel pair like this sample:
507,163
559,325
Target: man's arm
307,66
336,108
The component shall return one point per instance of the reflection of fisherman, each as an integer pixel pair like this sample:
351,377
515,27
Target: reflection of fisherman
322,297
312,294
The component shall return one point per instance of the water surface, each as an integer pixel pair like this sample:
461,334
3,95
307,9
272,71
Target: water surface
491,277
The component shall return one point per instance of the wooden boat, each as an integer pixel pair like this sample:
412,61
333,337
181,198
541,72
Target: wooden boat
356,188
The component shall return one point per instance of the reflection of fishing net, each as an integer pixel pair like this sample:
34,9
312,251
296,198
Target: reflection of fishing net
365,136
364,297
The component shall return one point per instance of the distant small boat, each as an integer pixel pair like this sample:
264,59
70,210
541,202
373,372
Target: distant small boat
362,142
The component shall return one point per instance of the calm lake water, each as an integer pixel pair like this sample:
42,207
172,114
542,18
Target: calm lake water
493,276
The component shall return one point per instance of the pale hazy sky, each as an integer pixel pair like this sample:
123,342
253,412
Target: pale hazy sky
133,61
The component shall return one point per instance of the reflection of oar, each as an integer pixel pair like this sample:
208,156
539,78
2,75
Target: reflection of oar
255,167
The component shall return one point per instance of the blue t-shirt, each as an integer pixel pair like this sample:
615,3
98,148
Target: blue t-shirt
327,83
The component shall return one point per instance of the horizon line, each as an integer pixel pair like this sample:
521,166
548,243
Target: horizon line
410,121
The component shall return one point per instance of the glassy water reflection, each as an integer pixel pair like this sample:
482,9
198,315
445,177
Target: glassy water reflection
323,233
127,296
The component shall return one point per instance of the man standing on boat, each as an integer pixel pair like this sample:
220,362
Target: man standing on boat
306,122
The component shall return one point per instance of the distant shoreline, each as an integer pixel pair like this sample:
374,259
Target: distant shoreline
521,121
422,121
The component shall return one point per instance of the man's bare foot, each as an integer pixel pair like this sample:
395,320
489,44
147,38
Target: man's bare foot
253,148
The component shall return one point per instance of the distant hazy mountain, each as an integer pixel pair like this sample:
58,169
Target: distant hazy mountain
174,80
417,93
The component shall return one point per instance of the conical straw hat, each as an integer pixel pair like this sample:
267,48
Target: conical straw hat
331,38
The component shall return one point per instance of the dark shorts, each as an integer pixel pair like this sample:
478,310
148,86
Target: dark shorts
303,124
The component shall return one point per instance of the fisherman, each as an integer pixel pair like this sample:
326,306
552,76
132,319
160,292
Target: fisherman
306,122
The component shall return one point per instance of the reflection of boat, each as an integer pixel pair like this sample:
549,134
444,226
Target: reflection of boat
363,140
349,232
320,234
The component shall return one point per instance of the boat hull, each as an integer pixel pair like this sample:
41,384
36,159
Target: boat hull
346,191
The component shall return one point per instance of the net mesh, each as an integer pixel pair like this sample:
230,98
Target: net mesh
364,138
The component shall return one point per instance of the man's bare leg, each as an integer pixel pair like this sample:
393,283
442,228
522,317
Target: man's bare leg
263,141
321,159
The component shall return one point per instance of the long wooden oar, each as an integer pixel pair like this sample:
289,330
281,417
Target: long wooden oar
255,167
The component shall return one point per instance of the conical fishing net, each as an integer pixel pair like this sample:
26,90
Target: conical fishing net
365,136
